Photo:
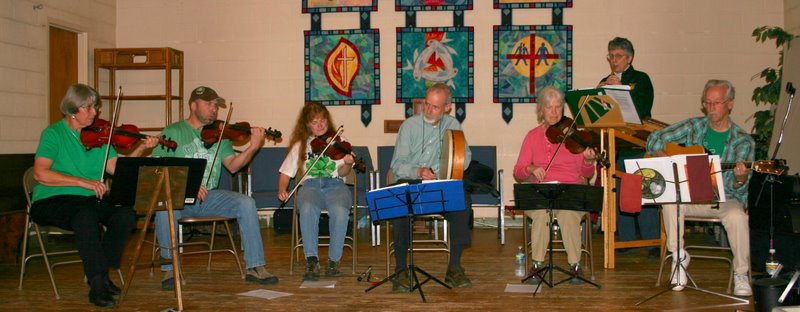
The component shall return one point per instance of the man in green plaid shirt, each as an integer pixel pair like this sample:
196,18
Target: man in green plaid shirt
717,133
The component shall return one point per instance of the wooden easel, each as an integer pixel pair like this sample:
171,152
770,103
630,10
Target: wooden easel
161,192
613,129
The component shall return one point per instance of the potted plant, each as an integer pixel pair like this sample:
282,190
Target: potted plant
769,93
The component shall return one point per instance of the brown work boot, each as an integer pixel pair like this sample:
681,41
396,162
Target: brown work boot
260,275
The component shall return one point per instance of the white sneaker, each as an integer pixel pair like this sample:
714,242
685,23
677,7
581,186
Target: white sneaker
741,285
679,279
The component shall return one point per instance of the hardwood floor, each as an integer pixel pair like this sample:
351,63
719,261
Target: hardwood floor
488,264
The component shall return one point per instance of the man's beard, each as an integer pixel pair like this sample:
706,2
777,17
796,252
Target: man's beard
430,121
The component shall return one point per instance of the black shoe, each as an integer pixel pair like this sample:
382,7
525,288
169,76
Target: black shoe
113,289
401,283
99,292
102,299
333,269
457,278
654,253
312,269
576,272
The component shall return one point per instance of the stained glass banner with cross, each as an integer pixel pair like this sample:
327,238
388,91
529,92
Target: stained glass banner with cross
528,58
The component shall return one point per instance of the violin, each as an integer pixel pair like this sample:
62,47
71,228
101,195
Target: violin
564,130
338,149
576,141
235,132
125,136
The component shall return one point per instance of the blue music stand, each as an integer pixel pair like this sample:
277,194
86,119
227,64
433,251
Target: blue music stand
406,201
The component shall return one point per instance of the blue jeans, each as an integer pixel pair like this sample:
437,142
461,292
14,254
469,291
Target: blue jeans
324,193
219,203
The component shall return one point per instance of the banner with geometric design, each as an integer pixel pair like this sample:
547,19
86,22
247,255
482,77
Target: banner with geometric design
528,58
342,67
427,55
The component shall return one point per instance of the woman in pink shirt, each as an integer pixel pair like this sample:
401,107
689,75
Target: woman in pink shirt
568,168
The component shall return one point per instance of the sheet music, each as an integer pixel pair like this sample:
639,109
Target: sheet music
522,288
658,178
622,94
264,294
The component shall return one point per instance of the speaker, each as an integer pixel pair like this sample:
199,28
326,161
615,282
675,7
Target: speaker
785,203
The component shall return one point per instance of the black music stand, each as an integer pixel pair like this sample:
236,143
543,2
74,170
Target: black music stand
157,184
677,254
532,196
428,197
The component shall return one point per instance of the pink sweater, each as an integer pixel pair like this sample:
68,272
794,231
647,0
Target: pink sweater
567,168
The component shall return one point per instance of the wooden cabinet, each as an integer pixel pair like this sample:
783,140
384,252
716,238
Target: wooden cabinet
168,60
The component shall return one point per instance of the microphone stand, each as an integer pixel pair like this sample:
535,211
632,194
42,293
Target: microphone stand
791,90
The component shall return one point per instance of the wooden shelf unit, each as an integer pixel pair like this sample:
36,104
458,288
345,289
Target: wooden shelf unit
166,59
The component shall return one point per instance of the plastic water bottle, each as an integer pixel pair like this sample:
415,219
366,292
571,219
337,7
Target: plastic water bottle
519,260
772,263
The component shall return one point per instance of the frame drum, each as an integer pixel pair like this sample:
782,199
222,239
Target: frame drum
451,163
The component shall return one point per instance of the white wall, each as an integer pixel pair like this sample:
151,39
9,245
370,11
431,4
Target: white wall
24,57
791,15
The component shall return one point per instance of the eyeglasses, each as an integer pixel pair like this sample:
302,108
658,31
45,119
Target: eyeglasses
714,103
615,56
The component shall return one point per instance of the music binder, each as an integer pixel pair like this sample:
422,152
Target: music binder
610,106
133,180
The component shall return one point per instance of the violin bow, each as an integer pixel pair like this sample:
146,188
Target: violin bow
297,185
219,143
111,132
